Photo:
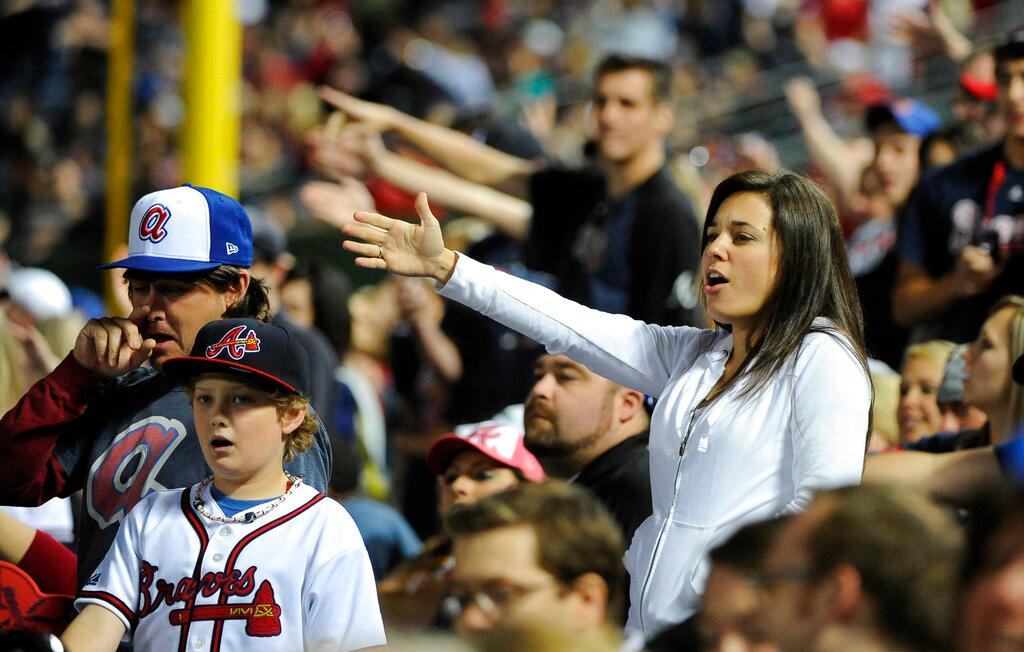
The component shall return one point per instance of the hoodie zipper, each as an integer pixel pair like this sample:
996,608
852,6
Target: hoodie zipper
668,518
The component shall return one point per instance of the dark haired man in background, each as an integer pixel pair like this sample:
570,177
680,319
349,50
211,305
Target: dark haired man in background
960,246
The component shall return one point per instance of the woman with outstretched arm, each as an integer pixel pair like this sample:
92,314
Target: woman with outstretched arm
752,416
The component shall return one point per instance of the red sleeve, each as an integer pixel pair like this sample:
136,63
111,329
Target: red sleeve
51,565
392,200
29,471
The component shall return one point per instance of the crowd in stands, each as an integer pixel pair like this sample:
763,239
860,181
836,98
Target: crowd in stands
497,483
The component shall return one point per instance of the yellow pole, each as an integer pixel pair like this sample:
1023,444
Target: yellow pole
119,131
213,94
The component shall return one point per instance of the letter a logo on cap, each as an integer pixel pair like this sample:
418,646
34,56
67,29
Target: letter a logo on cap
500,439
151,227
236,345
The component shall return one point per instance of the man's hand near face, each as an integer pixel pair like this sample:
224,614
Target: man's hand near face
112,346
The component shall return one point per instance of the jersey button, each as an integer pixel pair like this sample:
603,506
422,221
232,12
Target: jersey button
225,531
197,643
218,557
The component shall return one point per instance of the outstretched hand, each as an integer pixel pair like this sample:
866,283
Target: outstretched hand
335,203
400,247
376,116
930,30
802,97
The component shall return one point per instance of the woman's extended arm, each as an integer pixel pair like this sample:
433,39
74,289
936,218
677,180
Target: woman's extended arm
509,214
456,151
622,349
956,477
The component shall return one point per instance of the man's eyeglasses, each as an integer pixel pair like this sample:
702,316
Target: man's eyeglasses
767,579
493,601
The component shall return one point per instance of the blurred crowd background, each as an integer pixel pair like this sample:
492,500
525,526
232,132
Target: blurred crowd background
747,73
757,83
460,62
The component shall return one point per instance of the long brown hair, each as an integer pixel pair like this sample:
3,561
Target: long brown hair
813,280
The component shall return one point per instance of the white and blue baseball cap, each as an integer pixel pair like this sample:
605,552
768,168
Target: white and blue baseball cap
911,116
187,229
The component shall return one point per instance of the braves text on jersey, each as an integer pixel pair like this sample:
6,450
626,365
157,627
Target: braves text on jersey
297,578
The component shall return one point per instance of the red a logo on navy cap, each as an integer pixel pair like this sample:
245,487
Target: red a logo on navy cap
235,344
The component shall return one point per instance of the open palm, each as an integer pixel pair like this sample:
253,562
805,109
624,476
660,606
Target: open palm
400,247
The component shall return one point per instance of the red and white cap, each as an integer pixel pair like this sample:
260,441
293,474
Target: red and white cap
500,442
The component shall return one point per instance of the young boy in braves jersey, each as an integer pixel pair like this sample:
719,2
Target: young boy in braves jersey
105,422
250,558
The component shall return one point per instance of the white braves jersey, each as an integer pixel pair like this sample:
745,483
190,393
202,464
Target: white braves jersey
297,578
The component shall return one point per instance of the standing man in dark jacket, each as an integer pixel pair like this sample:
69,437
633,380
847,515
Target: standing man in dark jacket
617,235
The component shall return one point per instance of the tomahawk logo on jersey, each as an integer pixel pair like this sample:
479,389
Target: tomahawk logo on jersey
181,581
262,615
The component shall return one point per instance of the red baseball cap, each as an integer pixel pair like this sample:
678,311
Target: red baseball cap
25,607
978,88
500,442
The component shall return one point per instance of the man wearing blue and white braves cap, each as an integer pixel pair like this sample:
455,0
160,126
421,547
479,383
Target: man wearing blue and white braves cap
187,229
107,422
182,238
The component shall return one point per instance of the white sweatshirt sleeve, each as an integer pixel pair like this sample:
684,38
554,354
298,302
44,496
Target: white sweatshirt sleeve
627,351
831,403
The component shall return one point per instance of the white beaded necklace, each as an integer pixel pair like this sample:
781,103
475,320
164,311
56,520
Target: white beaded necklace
247,517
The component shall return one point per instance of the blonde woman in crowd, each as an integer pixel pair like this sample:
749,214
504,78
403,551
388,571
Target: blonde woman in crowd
960,467
885,383
918,412
989,383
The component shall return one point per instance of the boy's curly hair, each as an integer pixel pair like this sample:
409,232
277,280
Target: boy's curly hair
302,437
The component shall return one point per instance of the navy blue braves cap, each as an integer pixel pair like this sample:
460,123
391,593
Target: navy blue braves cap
187,229
255,350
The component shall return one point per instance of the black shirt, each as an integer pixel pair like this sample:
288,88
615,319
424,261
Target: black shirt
947,213
621,479
638,254
497,362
